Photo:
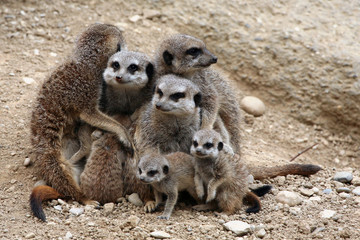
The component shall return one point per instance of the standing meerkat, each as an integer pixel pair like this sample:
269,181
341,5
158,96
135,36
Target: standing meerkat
169,121
224,175
69,95
188,57
168,174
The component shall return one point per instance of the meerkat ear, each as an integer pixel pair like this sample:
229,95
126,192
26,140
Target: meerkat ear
197,99
220,146
168,57
118,47
150,71
166,169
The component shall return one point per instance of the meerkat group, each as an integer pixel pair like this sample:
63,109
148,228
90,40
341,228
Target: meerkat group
105,104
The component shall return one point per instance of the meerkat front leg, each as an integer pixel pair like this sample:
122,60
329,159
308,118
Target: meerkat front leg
212,186
209,107
199,185
170,204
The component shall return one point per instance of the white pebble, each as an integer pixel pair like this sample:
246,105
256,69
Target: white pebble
108,208
68,235
327,214
356,191
134,18
344,195
238,227
135,199
30,235
58,207
261,233
53,54
344,177
289,198
160,234
36,51
61,202
28,80
27,162
253,106
317,198
76,211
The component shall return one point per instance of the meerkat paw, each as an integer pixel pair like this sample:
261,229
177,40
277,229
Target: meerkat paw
166,217
203,207
200,193
211,196
150,206
91,202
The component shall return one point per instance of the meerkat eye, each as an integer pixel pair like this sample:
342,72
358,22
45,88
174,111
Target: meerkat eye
176,96
160,92
115,65
140,170
194,51
133,68
195,143
208,145
151,173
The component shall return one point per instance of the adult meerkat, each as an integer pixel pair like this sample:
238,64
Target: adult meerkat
128,84
188,57
168,174
222,172
70,94
169,121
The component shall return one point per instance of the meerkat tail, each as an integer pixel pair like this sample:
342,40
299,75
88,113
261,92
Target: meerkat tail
260,173
254,201
38,195
261,191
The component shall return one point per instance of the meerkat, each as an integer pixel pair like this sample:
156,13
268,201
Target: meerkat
128,81
169,121
168,174
70,94
188,57
224,175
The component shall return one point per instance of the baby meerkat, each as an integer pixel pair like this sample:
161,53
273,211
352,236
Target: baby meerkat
70,94
224,175
188,57
169,121
168,174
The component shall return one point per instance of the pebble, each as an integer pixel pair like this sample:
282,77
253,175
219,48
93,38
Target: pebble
289,198
317,198
61,202
76,211
280,180
12,181
253,106
160,234
27,162
108,208
344,195
357,200
134,18
53,54
58,207
306,192
315,189
36,51
30,235
135,199
356,181
91,224
356,191
327,191
238,227
327,213
343,189
261,233
28,80
133,221
68,235
344,177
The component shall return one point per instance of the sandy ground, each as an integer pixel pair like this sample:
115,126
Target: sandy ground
35,37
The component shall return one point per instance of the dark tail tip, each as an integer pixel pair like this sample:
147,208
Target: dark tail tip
36,206
255,208
311,169
261,191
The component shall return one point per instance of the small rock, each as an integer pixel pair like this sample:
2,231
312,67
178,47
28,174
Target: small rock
91,224
280,180
30,235
133,221
343,189
356,181
12,181
76,211
327,191
27,162
53,54
108,208
238,227
150,13
36,51
357,200
253,106
134,18
135,199
261,233
160,234
356,191
315,189
317,198
58,207
306,192
203,218
61,202
344,177
317,230
327,214
28,80
344,195
289,198
68,235
12,74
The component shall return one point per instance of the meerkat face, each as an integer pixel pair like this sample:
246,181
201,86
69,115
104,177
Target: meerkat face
183,53
152,168
126,69
177,96
206,144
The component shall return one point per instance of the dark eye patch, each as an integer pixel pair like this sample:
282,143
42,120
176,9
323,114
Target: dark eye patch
151,173
194,51
140,170
176,96
133,68
208,145
115,65
159,92
195,143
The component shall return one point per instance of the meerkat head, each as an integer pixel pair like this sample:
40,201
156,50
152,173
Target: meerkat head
176,96
206,143
97,43
126,69
152,168
182,54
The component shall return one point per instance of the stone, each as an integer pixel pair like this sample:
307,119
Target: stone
27,162
356,181
289,198
108,208
135,199
30,235
344,195
344,177
238,227
160,234
261,233
315,189
134,18
28,80
151,13
327,213
306,192
317,198
133,221
68,235
58,207
61,202
327,191
356,191
343,189
253,106
76,211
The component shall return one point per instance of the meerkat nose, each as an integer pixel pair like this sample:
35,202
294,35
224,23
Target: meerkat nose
118,79
214,60
158,106
198,151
